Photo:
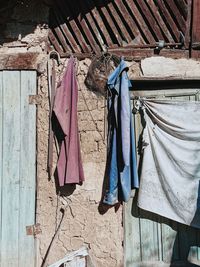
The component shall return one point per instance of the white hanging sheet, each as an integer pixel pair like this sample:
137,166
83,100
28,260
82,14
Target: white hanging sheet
170,175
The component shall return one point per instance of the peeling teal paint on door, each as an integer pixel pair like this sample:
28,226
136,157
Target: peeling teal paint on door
151,240
17,167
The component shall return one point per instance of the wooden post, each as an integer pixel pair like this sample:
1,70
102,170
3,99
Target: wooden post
195,50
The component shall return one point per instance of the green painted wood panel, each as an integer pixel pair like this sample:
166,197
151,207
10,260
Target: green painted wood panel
27,168
132,226
11,162
18,150
151,240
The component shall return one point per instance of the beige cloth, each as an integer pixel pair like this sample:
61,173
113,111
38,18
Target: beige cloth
169,182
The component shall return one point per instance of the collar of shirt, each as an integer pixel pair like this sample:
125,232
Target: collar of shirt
114,77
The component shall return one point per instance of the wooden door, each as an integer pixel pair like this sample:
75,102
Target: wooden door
151,240
17,167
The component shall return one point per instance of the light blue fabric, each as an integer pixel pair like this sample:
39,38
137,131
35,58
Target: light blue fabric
121,168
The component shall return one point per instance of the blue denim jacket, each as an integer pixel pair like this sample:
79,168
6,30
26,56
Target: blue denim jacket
121,169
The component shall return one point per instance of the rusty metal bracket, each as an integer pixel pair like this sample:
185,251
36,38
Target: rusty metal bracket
160,44
35,99
33,229
196,46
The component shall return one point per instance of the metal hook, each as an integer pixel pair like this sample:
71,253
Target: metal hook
56,55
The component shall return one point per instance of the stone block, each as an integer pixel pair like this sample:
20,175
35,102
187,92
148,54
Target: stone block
167,67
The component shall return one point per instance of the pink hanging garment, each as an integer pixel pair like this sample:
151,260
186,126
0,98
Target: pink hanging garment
69,165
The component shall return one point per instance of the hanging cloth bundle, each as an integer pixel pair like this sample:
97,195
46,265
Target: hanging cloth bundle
65,126
100,68
121,170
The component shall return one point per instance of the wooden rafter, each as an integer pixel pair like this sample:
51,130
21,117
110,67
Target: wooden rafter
92,26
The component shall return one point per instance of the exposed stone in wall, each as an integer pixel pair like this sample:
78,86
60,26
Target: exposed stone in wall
166,67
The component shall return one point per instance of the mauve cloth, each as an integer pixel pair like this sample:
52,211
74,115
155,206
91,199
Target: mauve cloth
69,165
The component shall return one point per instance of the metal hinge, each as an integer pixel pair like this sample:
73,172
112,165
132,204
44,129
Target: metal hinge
33,229
35,99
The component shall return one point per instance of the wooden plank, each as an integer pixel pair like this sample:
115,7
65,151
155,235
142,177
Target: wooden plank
53,40
84,27
1,152
159,234
138,54
149,240
93,27
62,39
153,45
65,30
168,237
123,30
131,234
164,93
132,239
170,22
11,159
134,54
130,22
152,22
18,61
109,21
176,251
196,28
183,7
59,25
188,24
179,18
143,27
27,168
160,21
100,23
64,9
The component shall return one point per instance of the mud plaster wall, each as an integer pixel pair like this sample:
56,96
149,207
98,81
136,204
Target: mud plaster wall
85,222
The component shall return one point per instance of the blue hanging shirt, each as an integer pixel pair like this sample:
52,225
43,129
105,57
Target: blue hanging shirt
121,167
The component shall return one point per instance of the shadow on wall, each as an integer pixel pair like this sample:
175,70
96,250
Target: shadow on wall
19,18
187,241
183,240
185,247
